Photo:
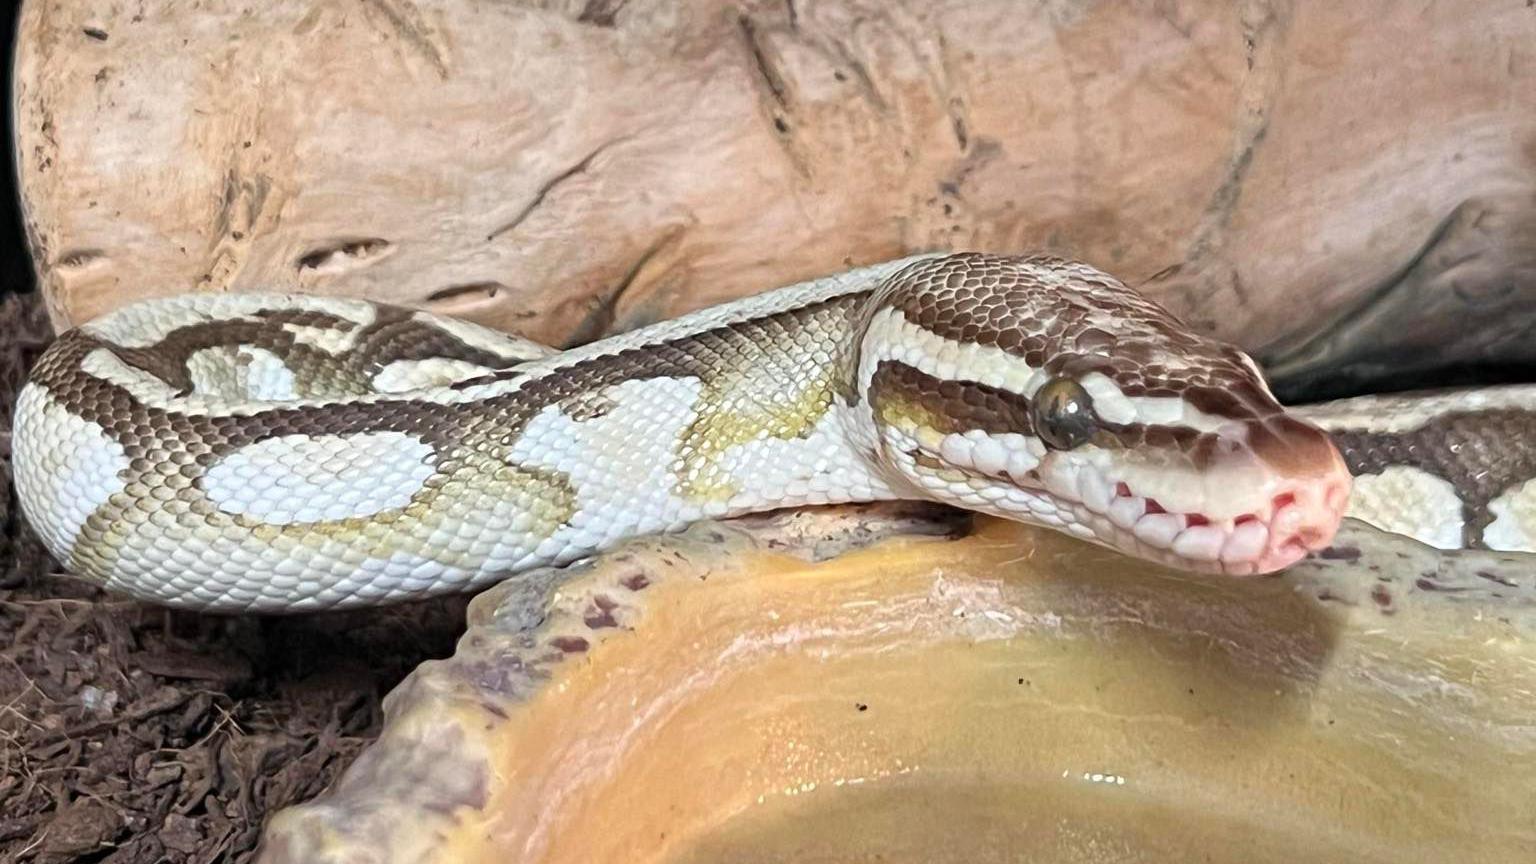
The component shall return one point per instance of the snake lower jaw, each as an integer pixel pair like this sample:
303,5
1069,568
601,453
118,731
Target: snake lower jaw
1297,521
1300,517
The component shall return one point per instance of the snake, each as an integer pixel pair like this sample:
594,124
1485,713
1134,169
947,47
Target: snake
274,452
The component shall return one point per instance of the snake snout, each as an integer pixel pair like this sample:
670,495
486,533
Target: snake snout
1311,493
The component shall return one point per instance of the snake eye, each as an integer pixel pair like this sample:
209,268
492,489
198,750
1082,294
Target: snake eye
1062,412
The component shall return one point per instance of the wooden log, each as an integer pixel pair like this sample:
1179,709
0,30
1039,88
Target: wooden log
568,169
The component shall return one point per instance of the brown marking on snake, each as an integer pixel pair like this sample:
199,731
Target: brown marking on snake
904,394
923,460
1005,302
478,434
316,318
587,406
394,334
169,452
1296,448
1482,454
947,406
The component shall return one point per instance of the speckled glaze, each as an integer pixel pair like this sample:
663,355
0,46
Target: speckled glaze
874,684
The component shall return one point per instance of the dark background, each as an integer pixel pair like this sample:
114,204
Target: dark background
15,263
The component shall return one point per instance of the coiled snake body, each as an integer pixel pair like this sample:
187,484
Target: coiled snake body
277,452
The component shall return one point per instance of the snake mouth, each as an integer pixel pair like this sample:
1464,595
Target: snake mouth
1296,520
1298,517
1286,515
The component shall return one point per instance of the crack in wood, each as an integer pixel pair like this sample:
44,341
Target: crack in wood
406,20
959,119
865,81
455,292
600,320
765,70
776,94
549,186
601,13
1260,89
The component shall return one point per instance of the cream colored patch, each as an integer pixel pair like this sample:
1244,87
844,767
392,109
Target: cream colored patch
1514,526
621,463
331,340
1116,407
818,468
1409,501
976,450
66,468
246,372
219,380
307,479
405,375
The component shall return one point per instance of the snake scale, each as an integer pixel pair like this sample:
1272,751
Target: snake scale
289,452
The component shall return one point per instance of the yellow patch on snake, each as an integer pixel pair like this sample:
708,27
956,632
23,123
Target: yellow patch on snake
723,424
1409,501
910,416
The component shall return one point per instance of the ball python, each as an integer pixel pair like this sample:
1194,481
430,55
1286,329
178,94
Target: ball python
291,452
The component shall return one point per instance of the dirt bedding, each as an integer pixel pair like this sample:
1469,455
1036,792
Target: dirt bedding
129,733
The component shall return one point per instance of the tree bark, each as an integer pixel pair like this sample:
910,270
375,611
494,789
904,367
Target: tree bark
569,169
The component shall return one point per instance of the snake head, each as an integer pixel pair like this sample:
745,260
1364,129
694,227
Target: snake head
1046,391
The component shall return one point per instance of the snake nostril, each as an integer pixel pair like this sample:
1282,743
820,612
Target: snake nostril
1285,499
